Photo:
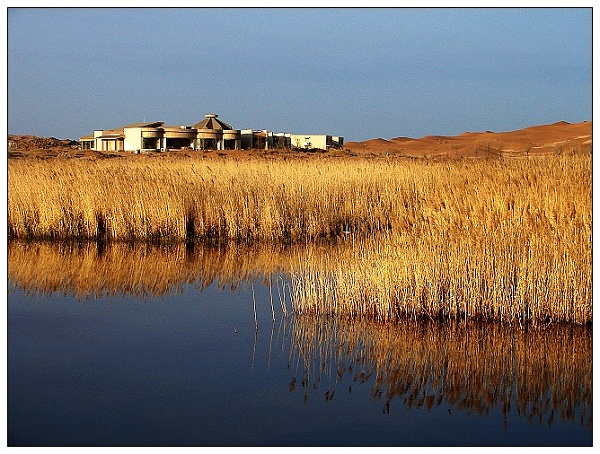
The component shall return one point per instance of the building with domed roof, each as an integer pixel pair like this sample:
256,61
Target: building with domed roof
211,133
215,134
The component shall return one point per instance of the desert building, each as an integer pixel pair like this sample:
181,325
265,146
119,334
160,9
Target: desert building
135,137
157,137
209,134
104,140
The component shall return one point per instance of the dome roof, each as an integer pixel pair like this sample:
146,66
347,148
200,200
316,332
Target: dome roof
212,122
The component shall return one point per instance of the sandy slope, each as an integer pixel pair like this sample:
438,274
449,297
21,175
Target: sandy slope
545,139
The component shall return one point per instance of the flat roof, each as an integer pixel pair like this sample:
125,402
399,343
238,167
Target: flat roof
153,124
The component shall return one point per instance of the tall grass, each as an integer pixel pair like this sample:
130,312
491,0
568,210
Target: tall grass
501,278
292,200
506,240
159,199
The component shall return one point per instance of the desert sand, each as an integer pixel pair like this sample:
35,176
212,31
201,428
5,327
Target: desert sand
545,139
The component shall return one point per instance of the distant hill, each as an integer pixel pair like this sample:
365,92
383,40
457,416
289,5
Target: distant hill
545,139
25,142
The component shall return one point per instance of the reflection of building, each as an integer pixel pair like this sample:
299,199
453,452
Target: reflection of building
209,134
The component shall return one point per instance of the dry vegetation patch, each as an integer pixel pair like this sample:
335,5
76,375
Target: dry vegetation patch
499,239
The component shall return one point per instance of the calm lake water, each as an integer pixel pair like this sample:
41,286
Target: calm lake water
169,355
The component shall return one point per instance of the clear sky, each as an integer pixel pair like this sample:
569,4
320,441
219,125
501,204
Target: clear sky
359,73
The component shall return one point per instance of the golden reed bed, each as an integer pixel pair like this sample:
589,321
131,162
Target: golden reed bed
506,240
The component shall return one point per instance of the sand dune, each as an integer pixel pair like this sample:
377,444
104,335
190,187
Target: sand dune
554,138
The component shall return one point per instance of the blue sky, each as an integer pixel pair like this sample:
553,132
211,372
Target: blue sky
360,73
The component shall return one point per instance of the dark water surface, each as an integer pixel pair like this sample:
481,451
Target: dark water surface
186,367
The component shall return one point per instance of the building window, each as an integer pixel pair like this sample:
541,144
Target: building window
149,143
108,145
207,144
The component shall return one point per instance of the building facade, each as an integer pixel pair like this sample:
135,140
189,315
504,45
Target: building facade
316,141
263,139
208,134
141,137
214,134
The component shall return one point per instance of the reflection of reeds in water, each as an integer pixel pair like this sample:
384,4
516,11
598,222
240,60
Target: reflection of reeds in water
542,374
87,269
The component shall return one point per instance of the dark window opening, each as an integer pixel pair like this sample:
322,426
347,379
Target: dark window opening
229,144
150,143
207,144
178,144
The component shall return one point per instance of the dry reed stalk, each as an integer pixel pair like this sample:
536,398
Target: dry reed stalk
232,200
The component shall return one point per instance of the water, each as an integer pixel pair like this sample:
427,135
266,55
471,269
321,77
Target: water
186,366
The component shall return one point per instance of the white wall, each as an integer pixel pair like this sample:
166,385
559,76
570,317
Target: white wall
315,140
133,139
